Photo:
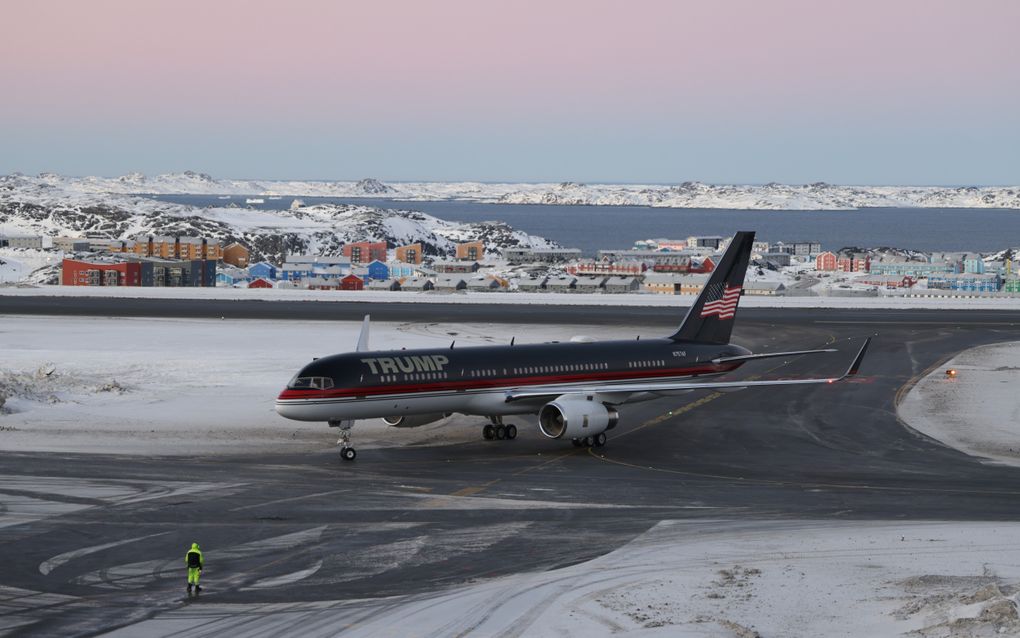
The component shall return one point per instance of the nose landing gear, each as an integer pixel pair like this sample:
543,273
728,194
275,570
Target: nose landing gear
347,451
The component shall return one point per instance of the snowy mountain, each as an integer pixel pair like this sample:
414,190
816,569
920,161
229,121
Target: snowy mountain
818,196
47,206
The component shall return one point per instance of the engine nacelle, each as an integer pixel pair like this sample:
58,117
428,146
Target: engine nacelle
413,420
573,416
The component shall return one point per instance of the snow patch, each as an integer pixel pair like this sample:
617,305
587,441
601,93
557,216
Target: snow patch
975,412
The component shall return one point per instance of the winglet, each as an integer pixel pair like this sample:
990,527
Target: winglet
363,337
855,366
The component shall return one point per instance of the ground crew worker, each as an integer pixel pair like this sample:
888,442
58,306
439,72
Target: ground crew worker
193,559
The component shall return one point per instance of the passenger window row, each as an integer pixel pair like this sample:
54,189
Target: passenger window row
646,364
573,367
424,376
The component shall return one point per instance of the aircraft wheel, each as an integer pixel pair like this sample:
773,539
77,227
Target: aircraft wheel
348,453
488,432
511,432
500,432
600,439
589,441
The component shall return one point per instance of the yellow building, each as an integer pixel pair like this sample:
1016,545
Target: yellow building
410,254
236,254
471,251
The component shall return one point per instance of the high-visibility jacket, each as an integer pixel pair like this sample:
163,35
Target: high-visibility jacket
193,558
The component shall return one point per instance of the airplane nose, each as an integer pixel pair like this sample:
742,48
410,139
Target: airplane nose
296,408
284,408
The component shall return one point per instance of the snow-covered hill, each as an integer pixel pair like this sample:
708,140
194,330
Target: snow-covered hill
818,196
47,206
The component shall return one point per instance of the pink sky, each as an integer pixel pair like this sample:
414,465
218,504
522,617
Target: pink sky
401,68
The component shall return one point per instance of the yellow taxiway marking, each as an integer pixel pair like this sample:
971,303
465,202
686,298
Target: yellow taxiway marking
672,413
468,491
475,489
288,500
844,486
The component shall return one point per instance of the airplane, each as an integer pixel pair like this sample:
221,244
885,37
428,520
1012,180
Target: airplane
575,388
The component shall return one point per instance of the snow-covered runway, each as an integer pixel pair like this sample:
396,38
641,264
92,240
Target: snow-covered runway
712,578
195,386
725,518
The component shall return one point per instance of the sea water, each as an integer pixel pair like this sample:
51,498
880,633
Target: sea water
590,228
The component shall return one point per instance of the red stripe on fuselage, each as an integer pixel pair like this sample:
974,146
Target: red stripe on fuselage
437,385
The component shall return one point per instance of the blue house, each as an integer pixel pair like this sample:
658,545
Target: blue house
229,276
378,270
295,272
974,265
970,282
399,269
262,269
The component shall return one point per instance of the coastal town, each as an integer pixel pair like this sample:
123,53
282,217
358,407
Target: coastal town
654,266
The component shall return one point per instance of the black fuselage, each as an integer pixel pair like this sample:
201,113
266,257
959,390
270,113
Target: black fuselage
467,374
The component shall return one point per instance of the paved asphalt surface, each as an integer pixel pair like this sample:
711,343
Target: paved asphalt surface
91,544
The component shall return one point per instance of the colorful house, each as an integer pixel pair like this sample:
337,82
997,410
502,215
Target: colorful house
363,252
969,282
295,272
471,251
399,269
230,276
260,282
825,262
378,270
974,265
410,254
352,282
262,269
858,262
236,254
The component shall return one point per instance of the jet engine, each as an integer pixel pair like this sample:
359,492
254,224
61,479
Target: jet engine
573,416
413,420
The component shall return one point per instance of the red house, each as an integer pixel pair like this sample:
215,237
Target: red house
352,282
260,282
825,261
854,263
686,266
100,273
707,265
363,252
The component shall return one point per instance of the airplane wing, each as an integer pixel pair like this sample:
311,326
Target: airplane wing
624,389
771,355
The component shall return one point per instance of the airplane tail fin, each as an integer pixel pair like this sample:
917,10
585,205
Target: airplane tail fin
710,319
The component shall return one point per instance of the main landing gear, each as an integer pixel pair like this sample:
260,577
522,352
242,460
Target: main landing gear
347,451
497,430
598,440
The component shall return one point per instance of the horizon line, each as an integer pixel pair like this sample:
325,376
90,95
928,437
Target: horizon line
526,181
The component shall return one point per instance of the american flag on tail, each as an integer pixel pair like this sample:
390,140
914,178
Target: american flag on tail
721,300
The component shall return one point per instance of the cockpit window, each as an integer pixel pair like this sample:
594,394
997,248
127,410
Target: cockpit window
310,383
